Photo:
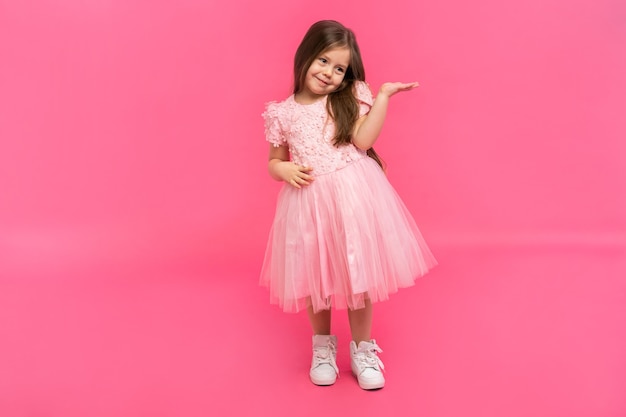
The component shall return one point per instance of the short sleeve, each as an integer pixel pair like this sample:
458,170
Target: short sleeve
273,131
364,97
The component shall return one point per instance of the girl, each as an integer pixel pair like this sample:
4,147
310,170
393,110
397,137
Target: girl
341,235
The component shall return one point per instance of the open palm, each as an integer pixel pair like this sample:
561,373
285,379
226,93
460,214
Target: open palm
390,89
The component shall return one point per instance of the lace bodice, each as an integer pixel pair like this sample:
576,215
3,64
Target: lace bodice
308,131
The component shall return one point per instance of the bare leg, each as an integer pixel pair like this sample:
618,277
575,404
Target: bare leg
320,322
361,323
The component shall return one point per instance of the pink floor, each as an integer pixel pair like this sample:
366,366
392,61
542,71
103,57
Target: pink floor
517,331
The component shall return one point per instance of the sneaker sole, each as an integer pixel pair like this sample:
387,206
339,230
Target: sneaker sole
368,386
322,383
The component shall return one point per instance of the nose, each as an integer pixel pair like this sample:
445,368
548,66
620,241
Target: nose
328,72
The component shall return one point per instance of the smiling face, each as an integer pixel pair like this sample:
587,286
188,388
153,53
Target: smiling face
325,74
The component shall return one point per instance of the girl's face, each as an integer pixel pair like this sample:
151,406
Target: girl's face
326,72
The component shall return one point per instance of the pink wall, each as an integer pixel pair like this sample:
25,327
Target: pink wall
120,118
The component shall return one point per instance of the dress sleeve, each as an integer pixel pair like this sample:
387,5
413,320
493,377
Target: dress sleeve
364,97
273,130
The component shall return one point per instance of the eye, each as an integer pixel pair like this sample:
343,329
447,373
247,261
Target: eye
340,70
323,60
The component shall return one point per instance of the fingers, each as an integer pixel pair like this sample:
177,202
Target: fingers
408,86
411,84
302,173
299,182
300,178
396,87
294,182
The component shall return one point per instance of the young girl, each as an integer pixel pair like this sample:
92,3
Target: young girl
341,235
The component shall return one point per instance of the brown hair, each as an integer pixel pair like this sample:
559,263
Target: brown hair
342,106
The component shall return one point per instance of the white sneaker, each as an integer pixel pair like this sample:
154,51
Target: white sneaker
324,369
366,365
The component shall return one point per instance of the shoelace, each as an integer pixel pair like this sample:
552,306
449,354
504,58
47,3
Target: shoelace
368,357
324,355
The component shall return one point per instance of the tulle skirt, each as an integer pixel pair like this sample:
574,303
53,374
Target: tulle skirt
345,238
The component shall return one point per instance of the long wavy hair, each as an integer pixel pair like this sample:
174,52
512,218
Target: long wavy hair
341,105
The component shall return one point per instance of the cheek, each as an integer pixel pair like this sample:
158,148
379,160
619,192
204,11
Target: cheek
312,69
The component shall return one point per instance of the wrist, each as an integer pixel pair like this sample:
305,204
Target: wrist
274,167
383,94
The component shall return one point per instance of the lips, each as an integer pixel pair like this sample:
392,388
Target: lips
322,81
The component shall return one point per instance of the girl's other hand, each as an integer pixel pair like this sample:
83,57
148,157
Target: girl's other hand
294,174
389,89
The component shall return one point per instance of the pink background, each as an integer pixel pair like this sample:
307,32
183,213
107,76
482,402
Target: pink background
135,204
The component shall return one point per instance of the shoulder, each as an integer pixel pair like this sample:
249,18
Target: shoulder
362,92
277,109
361,86
276,116
274,106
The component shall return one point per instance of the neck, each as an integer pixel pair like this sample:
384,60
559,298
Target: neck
304,97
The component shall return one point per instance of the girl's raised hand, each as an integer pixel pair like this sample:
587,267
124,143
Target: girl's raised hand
389,89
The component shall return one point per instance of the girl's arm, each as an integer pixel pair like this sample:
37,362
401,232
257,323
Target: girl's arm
368,127
282,169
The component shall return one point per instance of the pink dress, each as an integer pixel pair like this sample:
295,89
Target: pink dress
346,237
